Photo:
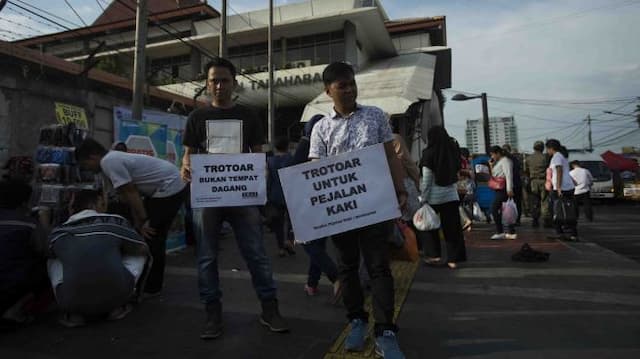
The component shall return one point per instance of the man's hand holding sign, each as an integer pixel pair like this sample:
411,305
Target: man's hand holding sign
339,193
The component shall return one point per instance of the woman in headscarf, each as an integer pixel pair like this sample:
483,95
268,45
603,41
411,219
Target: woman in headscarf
440,165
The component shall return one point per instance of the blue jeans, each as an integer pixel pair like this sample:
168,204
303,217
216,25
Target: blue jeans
319,262
247,227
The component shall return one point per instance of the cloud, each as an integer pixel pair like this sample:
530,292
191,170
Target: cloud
543,49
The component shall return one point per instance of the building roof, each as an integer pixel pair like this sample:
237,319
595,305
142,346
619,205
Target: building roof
121,22
108,79
436,24
116,11
416,23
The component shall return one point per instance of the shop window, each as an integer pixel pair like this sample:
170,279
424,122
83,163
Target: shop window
337,52
307,53
323,54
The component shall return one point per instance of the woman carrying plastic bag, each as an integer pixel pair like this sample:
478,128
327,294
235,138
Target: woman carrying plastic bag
440,165
509,212
501,182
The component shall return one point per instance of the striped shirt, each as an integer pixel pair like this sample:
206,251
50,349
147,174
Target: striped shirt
434,194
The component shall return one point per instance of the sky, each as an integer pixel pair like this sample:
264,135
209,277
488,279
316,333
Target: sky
549,63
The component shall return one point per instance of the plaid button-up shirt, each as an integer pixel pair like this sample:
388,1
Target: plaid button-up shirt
336,134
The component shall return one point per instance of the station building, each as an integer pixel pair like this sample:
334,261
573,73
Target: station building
402,64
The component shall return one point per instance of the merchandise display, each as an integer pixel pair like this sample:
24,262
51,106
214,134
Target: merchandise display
57,173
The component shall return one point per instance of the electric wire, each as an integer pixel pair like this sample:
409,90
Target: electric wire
69,29
75,12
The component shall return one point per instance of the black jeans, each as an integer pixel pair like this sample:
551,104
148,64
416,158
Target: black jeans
373,243
584,200
319,262
496,211
560,227
517,197
453,237
279,223
161,213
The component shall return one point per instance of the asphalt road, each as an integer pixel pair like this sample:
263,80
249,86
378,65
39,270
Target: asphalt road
615,227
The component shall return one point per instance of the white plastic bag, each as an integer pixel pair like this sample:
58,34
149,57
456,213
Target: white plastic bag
509,212
426,219
478,213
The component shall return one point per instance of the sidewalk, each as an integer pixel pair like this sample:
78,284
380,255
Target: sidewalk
583,303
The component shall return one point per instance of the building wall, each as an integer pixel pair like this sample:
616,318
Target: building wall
410,41
27,104
121,40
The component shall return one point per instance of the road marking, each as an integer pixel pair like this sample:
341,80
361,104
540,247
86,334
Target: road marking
535,313
459,342
531,293
510,272
401,277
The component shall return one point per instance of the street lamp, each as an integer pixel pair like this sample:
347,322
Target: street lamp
485,115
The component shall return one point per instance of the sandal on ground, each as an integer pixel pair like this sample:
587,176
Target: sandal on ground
120,312
71,320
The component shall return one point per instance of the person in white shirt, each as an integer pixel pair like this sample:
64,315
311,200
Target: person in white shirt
583,181
151,187
502,170
563,186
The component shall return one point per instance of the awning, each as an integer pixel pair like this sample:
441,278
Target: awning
391,84
617,162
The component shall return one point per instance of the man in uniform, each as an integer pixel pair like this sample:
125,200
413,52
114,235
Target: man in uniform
537,164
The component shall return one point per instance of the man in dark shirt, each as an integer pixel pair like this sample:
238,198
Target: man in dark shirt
225,127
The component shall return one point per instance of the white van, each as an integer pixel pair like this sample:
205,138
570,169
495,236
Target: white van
602,177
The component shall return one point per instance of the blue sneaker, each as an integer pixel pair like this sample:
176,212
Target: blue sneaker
355,339
387,346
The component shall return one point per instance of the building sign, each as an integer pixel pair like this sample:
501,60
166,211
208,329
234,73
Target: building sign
339,193
66,114
228,180
283,81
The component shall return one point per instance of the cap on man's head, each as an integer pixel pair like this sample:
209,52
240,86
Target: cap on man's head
538,146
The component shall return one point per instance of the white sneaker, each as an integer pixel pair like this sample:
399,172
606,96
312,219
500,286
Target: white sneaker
498,236
511,236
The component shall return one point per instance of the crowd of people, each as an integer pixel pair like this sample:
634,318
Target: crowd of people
98,263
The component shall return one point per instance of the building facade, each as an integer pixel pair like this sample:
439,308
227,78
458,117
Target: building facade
35,86
402,64
502,130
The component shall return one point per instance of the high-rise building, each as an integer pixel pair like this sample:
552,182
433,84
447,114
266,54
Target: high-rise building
502,130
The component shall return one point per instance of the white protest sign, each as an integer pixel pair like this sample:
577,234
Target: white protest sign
339,193
228,180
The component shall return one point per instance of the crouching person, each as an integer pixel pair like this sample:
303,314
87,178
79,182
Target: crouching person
97,263
23,275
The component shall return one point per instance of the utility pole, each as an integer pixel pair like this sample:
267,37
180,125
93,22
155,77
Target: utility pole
589,126
222,52
485,123
271,116
139,61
